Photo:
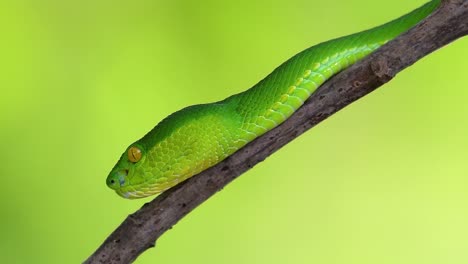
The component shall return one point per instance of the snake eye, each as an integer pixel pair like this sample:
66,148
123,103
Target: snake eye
134,154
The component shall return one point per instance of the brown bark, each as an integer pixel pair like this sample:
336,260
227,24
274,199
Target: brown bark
141,229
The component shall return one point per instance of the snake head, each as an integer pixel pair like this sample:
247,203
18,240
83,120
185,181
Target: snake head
127,172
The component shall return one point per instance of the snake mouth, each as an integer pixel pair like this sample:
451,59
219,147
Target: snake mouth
142,190
130,194
133,194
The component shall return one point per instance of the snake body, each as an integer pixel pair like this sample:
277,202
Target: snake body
197,137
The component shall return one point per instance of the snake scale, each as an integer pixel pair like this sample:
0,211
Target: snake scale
199,136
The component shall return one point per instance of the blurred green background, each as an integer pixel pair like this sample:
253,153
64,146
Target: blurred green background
383,181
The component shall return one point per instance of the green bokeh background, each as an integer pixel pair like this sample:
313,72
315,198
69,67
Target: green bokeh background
383,181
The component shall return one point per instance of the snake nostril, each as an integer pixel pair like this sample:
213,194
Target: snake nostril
112,181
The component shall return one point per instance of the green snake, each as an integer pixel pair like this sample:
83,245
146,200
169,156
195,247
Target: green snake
200,136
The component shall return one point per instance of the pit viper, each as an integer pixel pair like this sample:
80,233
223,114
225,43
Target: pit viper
200,136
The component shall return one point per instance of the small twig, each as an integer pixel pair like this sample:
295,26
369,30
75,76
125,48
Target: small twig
140,230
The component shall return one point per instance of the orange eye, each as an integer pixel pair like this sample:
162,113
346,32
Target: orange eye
134,154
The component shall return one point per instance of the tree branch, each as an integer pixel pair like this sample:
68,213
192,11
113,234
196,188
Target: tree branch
140,230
